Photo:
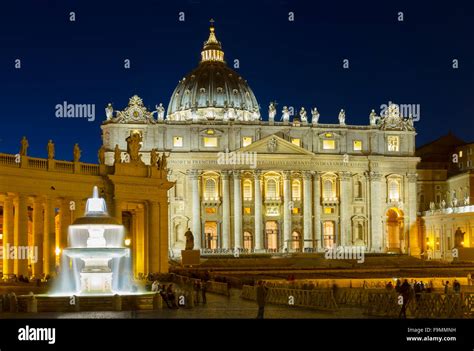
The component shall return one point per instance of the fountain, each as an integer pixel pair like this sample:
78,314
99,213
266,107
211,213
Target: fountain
95,262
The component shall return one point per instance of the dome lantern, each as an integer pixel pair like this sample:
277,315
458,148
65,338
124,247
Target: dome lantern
212,50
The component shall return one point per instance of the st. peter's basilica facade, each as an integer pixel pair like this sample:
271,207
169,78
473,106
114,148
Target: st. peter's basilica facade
286,184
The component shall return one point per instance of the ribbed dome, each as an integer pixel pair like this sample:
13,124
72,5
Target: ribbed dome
213,91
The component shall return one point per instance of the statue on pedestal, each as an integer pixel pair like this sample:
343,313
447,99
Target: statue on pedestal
133,147
117,154
50,149
285,114
342,117
271,111
303,117
24,146
315,116
101,155
109,111
163,162
160,110
189,240
466,200
373,118
76,153
154,157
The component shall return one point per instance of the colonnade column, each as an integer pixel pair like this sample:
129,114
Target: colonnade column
258,211
307,211
154,247
49,238
225,210
21,235
64,222
38,237
8,230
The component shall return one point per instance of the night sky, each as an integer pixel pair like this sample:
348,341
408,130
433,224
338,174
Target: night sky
297,63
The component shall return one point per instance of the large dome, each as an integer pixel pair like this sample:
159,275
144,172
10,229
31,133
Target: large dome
213,91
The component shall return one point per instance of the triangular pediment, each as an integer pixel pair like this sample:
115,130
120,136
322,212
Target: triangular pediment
273,144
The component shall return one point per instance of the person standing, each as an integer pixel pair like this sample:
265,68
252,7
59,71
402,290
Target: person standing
262,291
446,287
204,290
405,294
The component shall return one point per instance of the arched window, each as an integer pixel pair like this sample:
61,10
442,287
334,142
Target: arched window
271,189
296,190
328,189
210,192
393,190
248,244
247,189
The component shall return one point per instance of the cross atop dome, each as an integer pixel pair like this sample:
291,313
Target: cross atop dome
212,50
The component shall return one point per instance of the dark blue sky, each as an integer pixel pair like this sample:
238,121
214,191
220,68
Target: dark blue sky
295,63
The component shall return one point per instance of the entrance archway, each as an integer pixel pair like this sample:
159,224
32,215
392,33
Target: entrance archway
296,241
210,232
394,229
271,236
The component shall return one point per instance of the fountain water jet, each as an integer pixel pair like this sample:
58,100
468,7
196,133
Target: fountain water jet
95,261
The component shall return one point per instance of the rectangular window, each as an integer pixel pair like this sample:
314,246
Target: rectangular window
328,210
247,210
393,143
329,144
357,145
177,141
210,210
460,153
296,141
246,141
210,142
296,210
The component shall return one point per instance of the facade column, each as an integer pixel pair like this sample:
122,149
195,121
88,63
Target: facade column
64,222
196,206
286,209
49,242
344,204
21,235
225,210
237,210
376,204
411,229
258,211
317,210
38,237
8,230
307,211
